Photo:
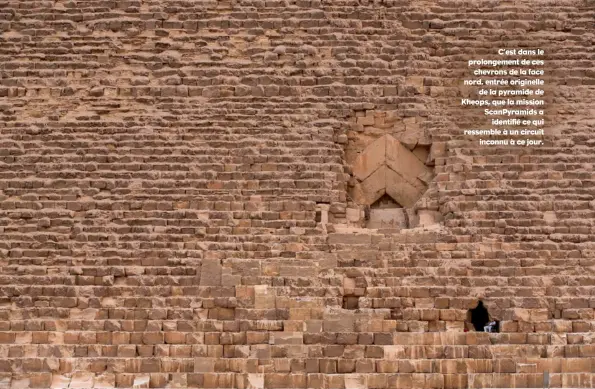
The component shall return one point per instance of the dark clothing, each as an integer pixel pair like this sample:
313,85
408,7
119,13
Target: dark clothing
479,317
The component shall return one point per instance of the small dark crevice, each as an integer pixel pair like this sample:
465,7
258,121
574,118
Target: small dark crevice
407,222
350,302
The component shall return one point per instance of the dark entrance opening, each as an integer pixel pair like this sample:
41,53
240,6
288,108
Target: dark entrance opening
480,319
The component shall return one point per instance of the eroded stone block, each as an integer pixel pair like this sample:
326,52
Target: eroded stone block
210,272
370,159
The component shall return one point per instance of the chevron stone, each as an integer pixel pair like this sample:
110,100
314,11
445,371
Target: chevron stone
401,189
386,166
370,159
401,160
375,185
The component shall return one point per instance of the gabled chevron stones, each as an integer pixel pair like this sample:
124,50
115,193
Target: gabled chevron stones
386,166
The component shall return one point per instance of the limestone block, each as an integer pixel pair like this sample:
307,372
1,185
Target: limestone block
437,150
425,177
537,315
142,381
82,380
59,381
264,297
375,185
286,338
357,194
255,381
428,218
204,365
178,380
20,383
403,161
353,214
388,218
338,325
23,338
370,159
401,190
409,139
348,285
338,238
395,352
365,120
210,272
550,217
376,166
323,209
455,381
365,366
228,279
40,380
328,366
144,226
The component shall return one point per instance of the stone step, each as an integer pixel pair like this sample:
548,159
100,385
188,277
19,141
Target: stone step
299,380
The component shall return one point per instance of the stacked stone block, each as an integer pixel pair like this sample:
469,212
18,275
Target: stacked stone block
174,177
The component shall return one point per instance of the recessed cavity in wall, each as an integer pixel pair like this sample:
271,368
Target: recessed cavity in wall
391,164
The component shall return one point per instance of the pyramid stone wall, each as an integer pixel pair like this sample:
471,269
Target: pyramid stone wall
175,209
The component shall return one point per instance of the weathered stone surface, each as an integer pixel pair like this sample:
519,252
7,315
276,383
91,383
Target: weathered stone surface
177,184
404,162
264,297
345,238
372,158
428,218
388,218
386,166
375,185
401,189
210,272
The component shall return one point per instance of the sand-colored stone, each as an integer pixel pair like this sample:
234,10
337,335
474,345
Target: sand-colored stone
183,192
370,159
403,161
375,185
400,189
386,166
